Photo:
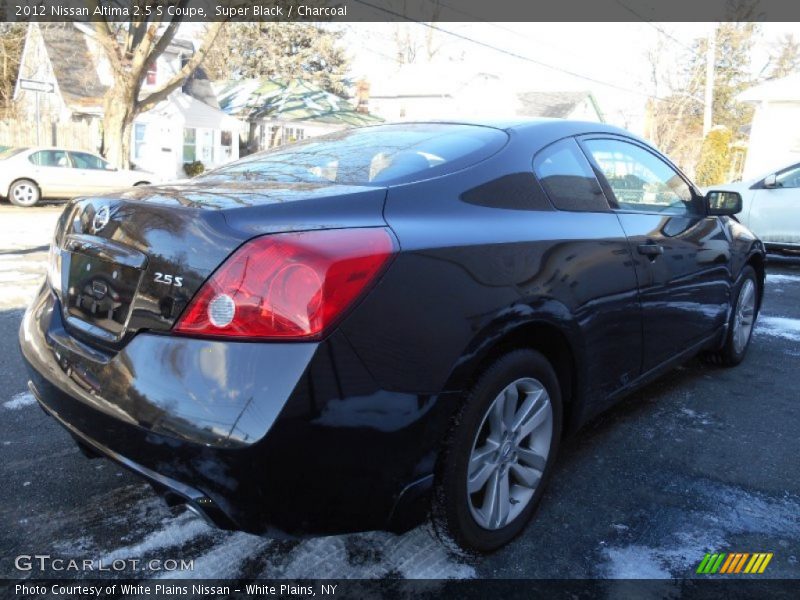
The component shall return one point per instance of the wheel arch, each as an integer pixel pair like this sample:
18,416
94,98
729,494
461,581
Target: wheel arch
758,261
31,179
556,341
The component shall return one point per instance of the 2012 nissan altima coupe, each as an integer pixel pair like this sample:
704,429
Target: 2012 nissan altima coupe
364,329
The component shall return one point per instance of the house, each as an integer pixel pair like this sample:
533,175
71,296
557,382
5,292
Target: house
283,112
185,127
559,105
427,91
775,130
435,91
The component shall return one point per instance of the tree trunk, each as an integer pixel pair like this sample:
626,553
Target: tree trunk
117,127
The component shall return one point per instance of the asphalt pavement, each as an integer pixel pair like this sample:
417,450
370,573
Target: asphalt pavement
704,460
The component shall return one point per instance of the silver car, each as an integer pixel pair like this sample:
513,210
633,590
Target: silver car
29,174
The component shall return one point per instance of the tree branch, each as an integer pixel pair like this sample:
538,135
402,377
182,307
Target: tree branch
177,80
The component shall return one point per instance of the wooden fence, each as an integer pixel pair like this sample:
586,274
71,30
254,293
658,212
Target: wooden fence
73,135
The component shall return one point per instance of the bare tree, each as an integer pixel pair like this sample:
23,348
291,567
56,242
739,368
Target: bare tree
131,48
12,40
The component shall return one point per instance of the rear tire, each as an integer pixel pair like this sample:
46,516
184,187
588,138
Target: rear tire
740,323
499,453
24,192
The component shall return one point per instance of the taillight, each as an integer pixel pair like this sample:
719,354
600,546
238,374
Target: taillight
288,285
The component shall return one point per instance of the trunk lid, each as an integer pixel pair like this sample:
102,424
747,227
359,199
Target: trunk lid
129,262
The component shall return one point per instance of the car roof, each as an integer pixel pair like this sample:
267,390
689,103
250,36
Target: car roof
526,123
40,148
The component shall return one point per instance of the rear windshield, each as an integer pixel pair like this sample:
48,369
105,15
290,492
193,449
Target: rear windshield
6,152
381,155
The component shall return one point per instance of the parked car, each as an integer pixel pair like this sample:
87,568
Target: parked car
362,329
29,174
771,207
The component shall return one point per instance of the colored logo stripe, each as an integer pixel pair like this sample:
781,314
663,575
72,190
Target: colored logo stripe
734,562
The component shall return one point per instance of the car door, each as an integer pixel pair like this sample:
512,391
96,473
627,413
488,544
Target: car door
53,173
775,208
95,174
681,255
592,268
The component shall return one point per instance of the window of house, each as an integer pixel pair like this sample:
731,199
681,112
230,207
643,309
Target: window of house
50,158
189,145
139,132
640,180
82,160
152,74
568,179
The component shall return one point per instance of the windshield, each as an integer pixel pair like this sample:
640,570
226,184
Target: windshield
381,155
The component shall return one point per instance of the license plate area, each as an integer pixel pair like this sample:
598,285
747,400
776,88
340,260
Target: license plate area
100,293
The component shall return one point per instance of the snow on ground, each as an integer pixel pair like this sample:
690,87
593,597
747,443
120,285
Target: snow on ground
20,401
781,278
782,327
156,532
721,512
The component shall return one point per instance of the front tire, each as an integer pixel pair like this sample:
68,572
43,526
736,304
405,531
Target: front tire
499,453
24,192
741,321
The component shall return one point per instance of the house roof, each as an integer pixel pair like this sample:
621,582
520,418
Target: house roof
193,113
76,69
558,105
293,101
73,66
786,89
429,81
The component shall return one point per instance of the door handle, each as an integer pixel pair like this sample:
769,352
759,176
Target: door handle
651,250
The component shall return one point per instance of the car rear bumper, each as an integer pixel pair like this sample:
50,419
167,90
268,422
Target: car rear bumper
293,437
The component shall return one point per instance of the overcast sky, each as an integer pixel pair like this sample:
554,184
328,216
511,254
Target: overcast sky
609,59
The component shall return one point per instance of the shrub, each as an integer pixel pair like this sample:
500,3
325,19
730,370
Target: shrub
194,168
715,157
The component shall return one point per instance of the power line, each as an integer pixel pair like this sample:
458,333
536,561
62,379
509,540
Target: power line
512,53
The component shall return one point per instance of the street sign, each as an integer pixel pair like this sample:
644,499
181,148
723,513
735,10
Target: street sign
48,87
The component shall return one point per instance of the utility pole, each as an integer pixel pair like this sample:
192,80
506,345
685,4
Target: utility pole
711,53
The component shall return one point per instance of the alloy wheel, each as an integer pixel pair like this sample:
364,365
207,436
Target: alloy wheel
744,316
24,193
509,453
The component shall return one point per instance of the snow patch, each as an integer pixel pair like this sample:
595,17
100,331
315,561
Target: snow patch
635,562
20,401
779,278
727,511
782,327
177,532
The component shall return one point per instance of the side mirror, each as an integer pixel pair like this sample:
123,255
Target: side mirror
723,203
771,181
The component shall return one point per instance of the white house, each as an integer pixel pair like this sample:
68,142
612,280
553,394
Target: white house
775,131
435,91
185,127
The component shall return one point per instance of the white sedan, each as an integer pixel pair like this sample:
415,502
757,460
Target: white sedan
771,207
29,174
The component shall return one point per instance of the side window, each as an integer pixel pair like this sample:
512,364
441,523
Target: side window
87,161
49,158
790,178
568,179
640,180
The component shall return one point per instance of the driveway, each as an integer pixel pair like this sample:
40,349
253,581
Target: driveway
704,460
